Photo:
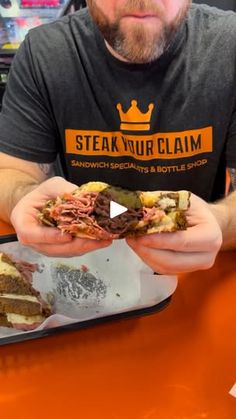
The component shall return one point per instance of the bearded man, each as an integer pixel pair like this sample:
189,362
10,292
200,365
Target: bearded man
128,25
135,93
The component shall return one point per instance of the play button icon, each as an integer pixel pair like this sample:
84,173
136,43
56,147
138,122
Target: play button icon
116,209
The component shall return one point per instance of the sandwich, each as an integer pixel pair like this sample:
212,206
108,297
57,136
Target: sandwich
86,212
21,305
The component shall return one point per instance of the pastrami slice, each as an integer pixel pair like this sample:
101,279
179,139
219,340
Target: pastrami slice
86,212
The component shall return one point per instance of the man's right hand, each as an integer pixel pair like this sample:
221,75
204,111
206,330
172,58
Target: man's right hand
47,240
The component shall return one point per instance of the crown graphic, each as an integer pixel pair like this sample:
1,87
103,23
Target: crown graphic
134,119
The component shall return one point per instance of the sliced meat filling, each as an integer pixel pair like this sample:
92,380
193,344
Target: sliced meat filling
90,212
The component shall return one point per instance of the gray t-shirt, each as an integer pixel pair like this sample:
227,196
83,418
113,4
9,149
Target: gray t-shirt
166,125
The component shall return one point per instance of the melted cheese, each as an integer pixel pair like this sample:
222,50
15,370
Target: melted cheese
167,203
19,319
20,297
6,269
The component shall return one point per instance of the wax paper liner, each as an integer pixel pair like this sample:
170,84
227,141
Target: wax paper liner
99,284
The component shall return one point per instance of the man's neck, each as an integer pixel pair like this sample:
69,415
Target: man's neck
115,54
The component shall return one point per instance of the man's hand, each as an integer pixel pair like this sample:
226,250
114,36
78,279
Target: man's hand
183,251
47,240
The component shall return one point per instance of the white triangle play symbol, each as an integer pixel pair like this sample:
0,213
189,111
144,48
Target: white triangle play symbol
116,209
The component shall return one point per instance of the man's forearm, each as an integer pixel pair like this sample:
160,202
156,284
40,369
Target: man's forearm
14,185
225,213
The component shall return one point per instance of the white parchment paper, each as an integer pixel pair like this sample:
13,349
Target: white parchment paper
115,280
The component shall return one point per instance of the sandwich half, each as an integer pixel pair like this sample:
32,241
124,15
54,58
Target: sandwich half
86,212
21,305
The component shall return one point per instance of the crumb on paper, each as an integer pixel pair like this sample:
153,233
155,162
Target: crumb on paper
50,298
84,268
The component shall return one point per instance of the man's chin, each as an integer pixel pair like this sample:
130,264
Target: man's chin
134,56
139,46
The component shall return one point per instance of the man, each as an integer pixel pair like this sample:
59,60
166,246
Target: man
136,93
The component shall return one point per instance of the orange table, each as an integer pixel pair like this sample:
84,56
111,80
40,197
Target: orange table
176,364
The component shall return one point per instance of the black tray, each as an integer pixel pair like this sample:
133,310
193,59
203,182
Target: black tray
29,335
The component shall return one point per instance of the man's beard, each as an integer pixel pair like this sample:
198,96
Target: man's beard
138,44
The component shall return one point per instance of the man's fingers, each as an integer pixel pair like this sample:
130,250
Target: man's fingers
194,239
76,247
40,234
170,263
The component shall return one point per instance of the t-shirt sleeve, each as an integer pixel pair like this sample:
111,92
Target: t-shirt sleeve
27,127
